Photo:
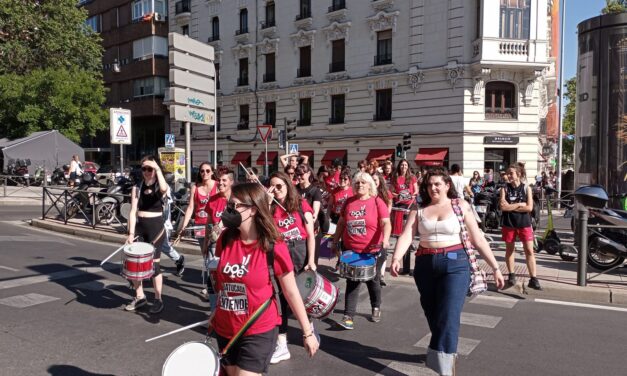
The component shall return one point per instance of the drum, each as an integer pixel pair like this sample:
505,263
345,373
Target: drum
137,261
192,359
319,295
360,267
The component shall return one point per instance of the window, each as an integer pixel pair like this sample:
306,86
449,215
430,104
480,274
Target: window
95,23
384,48
243,117
304,69
337,56
146,48
271,113
217,66
270,76
270,19
337,5
337,109
215,29
478,19
219,118
185,29
304,10
182,6
515,16
305,111
243,22
144,7
384,105
500,100
150,86
243,72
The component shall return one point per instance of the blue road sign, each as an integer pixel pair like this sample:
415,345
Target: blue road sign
169,140
293,148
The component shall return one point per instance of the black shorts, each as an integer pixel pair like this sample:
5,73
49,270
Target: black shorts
151,230
298,254
250,353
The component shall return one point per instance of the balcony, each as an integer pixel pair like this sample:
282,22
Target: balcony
242,81
304,122
213,38
303,15
303,20
303,72
501,113
489,49
243,30
242,124
336,120
384,59
269,77
337,5
337,66
268,24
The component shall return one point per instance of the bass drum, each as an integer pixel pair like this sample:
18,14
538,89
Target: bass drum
192,359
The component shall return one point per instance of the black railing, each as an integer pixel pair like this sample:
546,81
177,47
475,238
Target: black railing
336,120
304,121
383,59
337,66
269,77
303,72
242,81
214,38
305,13
243,124
182,6
501,113
243,30
337,5
382,117
267,24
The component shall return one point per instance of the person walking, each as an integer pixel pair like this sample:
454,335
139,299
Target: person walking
476,183
253,257
442,267
146,220
516,203
339,196
384,194
364,227
293,217
76,170
404,189
204,188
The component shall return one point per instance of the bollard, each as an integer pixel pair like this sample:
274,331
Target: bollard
582,274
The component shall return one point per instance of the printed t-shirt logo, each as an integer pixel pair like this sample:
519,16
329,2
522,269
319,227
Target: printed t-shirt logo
287,222
237,270
233,298
359,213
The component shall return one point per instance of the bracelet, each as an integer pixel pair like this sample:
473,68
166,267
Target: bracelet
305,336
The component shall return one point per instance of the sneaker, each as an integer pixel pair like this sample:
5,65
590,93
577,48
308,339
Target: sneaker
157,307
382,283
512,279
376,314
347,322
135,303
534,283
180,266
281,352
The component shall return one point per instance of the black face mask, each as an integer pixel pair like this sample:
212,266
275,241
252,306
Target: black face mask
231,218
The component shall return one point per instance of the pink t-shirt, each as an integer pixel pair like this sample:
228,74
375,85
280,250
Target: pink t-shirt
362,218
404,189
291,226
339,198
215,207
243,285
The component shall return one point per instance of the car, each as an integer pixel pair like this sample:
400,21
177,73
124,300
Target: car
90,167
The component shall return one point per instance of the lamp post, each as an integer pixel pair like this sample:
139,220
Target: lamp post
558,173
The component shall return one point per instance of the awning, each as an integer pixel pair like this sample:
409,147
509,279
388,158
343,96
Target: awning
431,156
261,160
380,154
240,156
331,155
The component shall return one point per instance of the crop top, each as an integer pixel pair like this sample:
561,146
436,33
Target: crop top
149,198
447,230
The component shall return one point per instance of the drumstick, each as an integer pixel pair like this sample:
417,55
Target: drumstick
264,188
116,251
200,323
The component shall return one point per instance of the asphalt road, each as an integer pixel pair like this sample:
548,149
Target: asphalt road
60,314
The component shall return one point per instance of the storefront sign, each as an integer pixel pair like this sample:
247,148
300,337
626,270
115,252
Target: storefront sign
500,140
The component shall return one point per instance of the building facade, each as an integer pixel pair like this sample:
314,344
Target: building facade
463,78
135,62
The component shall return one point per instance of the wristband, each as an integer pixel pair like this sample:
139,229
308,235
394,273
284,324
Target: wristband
305,336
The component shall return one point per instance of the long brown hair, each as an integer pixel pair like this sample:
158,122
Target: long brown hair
199,175
397,171
254,195
292,199
436,171
382,189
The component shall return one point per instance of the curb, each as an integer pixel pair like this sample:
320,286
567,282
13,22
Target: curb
20,202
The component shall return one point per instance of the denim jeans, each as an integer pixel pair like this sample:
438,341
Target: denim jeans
443,282
168,250
374,289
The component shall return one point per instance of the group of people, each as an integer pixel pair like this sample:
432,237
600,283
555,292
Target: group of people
272,227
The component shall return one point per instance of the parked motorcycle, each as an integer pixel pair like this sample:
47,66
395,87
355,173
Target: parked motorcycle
81,199
18,170
487,207
108,209
60,176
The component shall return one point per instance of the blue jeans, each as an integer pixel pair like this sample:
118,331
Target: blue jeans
443,282
168,250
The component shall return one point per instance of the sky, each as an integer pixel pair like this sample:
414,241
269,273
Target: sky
576,11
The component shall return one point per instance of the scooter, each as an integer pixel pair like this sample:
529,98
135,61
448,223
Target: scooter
550,241
108,209
486,205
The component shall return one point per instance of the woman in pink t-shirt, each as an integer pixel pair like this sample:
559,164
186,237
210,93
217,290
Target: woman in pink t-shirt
364,227
339,196
243,283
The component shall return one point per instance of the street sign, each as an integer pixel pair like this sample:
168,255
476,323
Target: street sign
293,148
120,124
183,43
265,132
192,63
281,139
192,81
169,140
193,115
184,97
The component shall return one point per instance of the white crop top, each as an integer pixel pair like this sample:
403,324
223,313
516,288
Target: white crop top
447,230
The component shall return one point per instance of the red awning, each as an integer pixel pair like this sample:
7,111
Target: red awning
261,160
380,154
331,155
431,156
240,156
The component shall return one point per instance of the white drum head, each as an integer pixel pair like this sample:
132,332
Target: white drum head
139,249
192,359
306,282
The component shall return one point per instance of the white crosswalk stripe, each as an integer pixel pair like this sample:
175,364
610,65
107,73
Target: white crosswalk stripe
27,300
407,369
464,346
494,301
25,281
484,321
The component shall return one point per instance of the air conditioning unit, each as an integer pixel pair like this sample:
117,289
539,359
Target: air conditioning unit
158,17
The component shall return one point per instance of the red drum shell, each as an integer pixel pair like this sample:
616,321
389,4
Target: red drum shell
137,261
319,295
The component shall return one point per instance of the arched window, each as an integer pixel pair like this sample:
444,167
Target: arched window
243,21
215,28
500,100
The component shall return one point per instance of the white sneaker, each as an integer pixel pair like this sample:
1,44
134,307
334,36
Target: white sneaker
281,352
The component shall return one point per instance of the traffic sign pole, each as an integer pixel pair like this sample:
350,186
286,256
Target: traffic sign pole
266,168
188,152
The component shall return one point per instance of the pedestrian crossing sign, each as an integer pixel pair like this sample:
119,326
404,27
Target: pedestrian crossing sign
293,148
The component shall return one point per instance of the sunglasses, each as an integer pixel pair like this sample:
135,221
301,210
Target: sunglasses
236,205
147,169
278,186
205,171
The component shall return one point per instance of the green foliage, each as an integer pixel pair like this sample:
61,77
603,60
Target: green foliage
614,6
568,120
45,99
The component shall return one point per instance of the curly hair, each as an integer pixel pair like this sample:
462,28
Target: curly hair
436,171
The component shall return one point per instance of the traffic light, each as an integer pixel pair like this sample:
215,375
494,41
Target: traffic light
406,141
290,130
399,151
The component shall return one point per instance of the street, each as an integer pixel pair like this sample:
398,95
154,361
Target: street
61,314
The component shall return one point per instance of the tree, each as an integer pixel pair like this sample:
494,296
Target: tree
568,120
614,6
50,70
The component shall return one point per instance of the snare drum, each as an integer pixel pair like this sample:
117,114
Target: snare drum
319,295
137,261
192,359
359,267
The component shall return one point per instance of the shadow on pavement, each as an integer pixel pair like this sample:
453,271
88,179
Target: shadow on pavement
65,370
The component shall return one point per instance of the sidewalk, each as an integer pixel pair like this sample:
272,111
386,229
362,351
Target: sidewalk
13,195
